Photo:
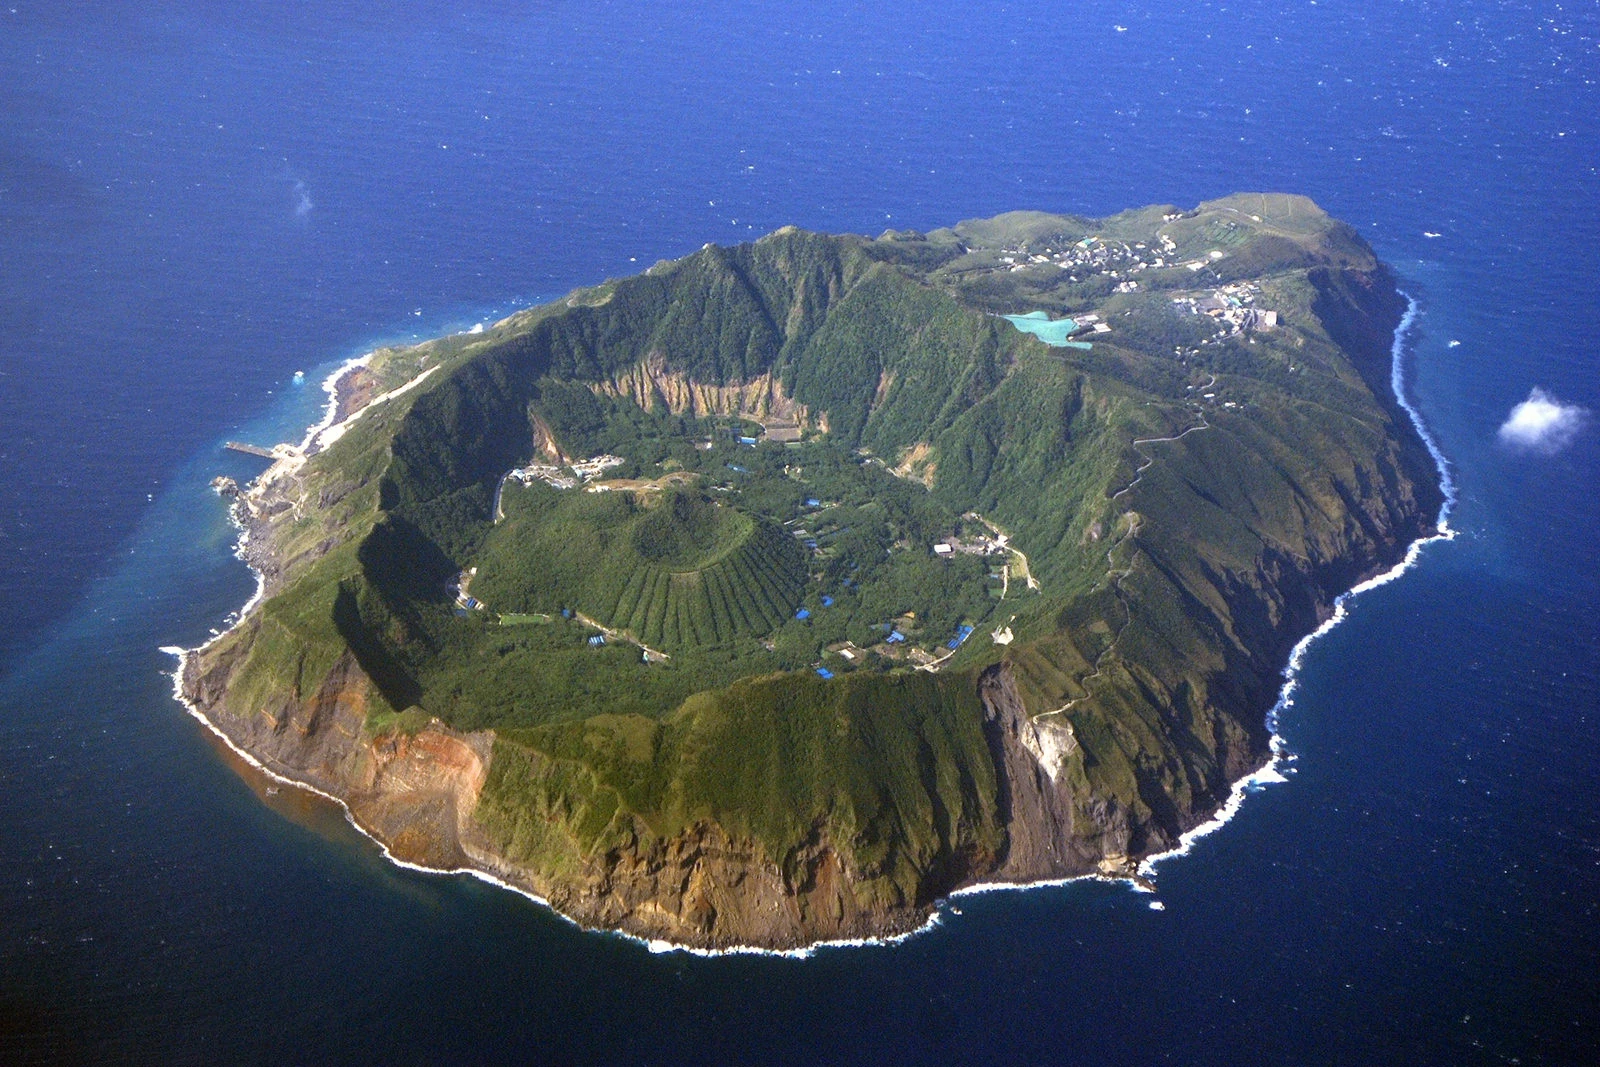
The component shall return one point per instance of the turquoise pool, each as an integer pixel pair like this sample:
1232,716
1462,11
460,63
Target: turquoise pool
1050,331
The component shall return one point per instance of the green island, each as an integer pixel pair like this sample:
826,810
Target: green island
771,595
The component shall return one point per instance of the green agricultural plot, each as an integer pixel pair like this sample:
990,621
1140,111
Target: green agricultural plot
674,570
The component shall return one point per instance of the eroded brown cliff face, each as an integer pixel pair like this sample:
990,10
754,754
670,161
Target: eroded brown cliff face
413,792
1044,839
418,794
705,888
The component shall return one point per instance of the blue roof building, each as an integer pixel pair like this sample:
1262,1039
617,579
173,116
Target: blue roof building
825,672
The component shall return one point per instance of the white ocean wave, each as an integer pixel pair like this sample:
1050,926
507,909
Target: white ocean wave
1275,769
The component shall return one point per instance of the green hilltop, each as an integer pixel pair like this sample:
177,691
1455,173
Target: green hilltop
847,542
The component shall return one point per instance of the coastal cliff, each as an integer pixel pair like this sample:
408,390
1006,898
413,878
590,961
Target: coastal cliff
1192,493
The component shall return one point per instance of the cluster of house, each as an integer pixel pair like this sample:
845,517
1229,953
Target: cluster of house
1097,255
805,536
1090,323
566,477
895,645
464,600
971,546
1231,305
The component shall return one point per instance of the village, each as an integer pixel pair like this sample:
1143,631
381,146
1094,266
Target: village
1232,305
905,638
1095,255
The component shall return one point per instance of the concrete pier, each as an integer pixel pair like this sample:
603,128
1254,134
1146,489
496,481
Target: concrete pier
250,450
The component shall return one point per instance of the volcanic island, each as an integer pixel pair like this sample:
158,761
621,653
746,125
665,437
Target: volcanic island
772,595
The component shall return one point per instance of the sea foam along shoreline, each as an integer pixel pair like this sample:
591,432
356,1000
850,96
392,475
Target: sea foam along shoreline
1271,771
330,386
655,946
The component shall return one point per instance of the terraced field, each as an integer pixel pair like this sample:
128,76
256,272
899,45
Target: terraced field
679,573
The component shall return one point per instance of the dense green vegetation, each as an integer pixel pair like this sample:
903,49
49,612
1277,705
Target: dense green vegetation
896,766
1161,590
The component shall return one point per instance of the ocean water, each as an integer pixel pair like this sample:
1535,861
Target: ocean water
198,200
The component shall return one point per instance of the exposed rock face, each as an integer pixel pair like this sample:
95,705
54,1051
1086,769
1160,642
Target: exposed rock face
708,889
418,795
1043,837
651,382
353,392
415,793
545,443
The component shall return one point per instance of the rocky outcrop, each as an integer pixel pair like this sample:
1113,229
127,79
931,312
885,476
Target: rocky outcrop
1043,838
353,391
650,383
418,793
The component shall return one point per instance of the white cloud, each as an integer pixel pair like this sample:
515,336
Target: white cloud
1542,423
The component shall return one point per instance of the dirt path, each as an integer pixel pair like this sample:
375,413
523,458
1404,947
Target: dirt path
1114,575
621,635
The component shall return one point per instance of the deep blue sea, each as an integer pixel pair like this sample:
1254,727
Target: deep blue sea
199,199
